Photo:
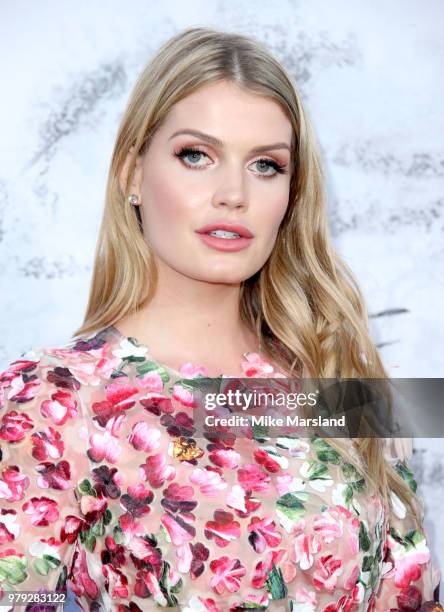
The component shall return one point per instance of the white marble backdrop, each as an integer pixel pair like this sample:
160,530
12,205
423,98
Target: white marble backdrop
371,77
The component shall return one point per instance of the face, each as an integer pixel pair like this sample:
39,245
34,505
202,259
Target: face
203,167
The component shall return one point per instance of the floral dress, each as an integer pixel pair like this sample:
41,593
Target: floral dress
107,497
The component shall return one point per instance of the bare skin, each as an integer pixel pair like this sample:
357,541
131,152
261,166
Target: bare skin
194,315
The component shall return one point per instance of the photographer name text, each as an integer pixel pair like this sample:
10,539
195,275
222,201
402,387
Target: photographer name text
270,421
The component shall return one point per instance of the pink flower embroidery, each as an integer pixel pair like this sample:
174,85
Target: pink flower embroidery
20,391
13,484
42,510
92,507
328,525
61,407
236,498
9,527
263,533
254,365
264,567
151,380
304,546
156,470
80,582
188,370
104,446
252,478
119,397
225,457
228,573
267,460
224,529
327,571
47,444
15,425
179,527
408,568
54,475
116,583
210,483
143,437
184,396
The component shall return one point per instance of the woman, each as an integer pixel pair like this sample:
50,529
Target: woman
213,246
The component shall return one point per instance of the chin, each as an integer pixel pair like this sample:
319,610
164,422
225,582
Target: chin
223,276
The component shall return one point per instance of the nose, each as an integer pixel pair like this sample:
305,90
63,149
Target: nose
231,192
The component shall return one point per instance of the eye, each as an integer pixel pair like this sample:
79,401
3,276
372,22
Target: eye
270,164
192,154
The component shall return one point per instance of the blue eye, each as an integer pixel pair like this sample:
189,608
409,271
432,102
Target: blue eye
189,152
271,164
195,153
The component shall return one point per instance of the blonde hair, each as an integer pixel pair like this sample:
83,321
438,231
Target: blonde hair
304,304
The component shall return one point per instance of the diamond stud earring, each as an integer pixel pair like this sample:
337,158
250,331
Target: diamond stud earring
133,199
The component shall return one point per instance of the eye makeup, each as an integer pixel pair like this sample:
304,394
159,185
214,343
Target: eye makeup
186,151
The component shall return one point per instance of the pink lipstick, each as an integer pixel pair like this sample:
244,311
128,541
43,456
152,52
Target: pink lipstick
227,237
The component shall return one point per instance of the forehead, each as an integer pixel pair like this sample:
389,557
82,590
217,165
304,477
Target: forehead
224,109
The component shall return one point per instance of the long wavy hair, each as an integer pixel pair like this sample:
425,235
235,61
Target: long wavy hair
304,304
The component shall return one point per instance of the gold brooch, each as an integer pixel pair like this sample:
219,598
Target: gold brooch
185,449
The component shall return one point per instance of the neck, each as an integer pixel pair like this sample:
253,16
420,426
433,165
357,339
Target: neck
195,315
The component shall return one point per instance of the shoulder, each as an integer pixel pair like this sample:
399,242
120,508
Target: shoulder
76,363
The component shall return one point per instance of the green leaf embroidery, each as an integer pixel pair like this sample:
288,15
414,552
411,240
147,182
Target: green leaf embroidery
367,563
98,529
407,475
152,366
325,452
374,575
378,553
364,540
259,433
396,535
348,493
41,567
164,536
352,476
166,588
291,506
118,535
107,516
289,500
61,580
13,569
88,539
275,583
177,587
134,358
412,538
85,488
288,442
318,471
53,562
119,373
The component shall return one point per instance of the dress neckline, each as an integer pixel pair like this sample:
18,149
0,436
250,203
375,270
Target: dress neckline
253,363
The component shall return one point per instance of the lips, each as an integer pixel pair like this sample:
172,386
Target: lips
229,227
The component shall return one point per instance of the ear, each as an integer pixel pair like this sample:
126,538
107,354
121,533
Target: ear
136,181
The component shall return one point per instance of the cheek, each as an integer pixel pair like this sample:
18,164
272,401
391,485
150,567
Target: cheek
164,205
273,215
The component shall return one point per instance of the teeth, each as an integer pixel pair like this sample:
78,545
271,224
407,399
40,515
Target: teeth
224,234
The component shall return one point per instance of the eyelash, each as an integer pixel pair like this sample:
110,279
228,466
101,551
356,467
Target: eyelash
184,151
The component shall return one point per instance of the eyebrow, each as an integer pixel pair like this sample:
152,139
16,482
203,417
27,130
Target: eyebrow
218,143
